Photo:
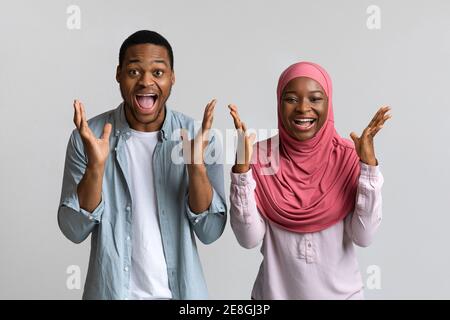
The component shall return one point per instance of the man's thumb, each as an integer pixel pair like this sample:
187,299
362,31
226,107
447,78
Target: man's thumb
106,131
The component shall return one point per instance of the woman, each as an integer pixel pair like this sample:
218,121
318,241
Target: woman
323,196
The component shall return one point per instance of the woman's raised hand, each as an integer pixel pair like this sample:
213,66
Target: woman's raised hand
364,144
245,143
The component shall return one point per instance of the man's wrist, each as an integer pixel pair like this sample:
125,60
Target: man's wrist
95,169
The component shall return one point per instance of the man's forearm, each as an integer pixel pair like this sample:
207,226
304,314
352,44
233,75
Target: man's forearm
90,188
200,189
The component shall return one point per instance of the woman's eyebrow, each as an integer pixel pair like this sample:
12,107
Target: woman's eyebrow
313,91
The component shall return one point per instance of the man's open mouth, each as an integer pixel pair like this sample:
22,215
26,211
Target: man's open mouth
146,101
304,123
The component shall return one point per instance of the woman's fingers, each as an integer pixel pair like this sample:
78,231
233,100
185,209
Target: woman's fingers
374,119
354,136
375,131
243,127
235,115
379,116
380,125
251,139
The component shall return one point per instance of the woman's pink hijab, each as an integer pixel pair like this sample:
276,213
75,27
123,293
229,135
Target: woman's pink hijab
315,185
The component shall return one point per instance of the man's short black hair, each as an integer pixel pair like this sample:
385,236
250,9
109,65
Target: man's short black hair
145,36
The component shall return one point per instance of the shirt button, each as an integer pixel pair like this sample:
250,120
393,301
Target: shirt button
197,220
309,244
128,238
126,269
91,217
117,132
128,208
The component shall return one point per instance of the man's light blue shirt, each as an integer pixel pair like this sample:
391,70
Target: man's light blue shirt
109,224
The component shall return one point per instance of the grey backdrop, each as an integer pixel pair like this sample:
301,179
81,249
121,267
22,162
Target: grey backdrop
234,51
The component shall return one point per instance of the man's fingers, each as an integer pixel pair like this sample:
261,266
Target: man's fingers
232,107
76,114
184,135
106,131
84,123
208,115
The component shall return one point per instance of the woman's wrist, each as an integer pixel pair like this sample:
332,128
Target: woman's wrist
240,168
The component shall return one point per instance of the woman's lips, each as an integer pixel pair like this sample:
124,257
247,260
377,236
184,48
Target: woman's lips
146,103
304,124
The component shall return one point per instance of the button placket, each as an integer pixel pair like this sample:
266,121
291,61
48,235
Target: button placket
309,249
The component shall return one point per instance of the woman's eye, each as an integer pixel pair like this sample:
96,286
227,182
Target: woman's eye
158,73
290,100
315,99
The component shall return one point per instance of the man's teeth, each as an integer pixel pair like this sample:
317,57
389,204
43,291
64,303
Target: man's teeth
147,95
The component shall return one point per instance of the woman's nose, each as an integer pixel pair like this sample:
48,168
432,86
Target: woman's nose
303,106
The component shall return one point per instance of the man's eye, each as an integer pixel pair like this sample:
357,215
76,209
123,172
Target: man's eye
158,73
133,72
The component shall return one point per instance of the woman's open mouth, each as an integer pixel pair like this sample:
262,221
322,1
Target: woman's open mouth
304,124
146,102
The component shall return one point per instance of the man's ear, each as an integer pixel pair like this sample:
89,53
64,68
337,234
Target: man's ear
118,74
173,77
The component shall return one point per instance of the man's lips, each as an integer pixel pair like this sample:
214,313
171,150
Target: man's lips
146,102
304,123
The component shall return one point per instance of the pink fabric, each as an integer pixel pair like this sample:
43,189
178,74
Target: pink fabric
315,185
320,265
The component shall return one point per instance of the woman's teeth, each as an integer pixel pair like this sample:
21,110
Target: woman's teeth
304,122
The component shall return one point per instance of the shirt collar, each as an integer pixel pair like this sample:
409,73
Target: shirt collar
122,126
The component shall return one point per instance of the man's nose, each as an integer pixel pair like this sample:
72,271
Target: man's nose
146,79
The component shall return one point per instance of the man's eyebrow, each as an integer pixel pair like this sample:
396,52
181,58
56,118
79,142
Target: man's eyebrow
133,61
139,61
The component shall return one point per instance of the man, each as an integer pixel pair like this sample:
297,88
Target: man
141,207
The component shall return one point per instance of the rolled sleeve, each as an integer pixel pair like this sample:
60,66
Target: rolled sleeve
76,223
216,207
209,225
